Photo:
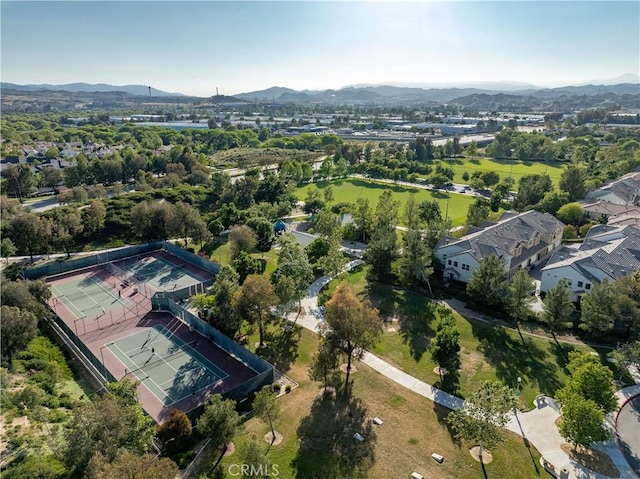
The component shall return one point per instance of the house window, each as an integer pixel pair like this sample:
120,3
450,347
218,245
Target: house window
587,286
449,263
455,264
580,284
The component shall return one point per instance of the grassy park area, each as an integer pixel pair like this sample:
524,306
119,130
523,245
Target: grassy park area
317,433
488,352
505,168
349,190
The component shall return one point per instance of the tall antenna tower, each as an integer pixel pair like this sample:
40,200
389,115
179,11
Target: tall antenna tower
217,94
149,92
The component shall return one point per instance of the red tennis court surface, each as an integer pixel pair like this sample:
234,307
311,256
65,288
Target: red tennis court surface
133,316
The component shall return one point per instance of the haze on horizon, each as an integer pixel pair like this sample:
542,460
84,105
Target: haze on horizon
194,47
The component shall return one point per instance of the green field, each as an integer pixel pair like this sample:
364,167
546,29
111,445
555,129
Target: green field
352,189
505,168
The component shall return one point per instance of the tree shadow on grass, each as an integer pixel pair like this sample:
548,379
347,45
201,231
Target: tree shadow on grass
512,360
441,415
414,314
281,348
327,446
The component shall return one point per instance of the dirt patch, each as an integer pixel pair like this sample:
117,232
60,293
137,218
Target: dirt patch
343,368
593,459
278,438
231,448
558,421
487,457
327,392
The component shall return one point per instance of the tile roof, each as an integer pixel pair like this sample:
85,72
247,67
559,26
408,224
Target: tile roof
614,250
503,237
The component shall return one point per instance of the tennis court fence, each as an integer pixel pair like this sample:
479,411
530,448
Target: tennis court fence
263,369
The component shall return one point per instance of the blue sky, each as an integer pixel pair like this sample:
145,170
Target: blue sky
194,47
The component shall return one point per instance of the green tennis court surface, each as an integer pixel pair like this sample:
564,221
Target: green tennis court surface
170,368
88,297
162,274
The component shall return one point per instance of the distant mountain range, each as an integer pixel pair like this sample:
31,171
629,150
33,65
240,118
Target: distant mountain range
140,90
387,94
482,96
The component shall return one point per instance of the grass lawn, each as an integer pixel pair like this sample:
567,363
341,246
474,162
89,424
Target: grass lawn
516,168
349,190
218,250
318,433
487,352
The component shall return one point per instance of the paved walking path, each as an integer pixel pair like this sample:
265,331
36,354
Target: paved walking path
536,426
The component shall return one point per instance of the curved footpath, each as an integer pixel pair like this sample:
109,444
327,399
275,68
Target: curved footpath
537,426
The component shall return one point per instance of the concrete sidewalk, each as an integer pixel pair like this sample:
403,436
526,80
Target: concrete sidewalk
536,426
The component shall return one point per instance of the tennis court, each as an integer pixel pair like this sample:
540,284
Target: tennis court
162,273
169,367
88,296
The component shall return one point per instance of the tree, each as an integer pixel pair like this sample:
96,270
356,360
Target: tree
125,389
490,178
626,302
625,355
94,217
362,217
478,211
19,327
429,211
109,425
572,182
558,306
219,422
131,466
8,248
445,349
244,265
597,309
313,201
264,233
241,238
267,408
591,380
66,226
519,296
353,324
571,213
215,227
383,247
488,282
531,189
252,455
325,361
582,421
255,300
552,201
485,412
19,178
415,263
224,289
29,230
293,269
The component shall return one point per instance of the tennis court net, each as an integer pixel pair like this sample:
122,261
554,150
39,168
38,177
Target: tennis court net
122,275
173,353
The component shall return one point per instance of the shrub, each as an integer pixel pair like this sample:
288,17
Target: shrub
276,387
287,389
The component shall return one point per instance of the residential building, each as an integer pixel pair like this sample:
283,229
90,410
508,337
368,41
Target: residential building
608,252
518,239
623,191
